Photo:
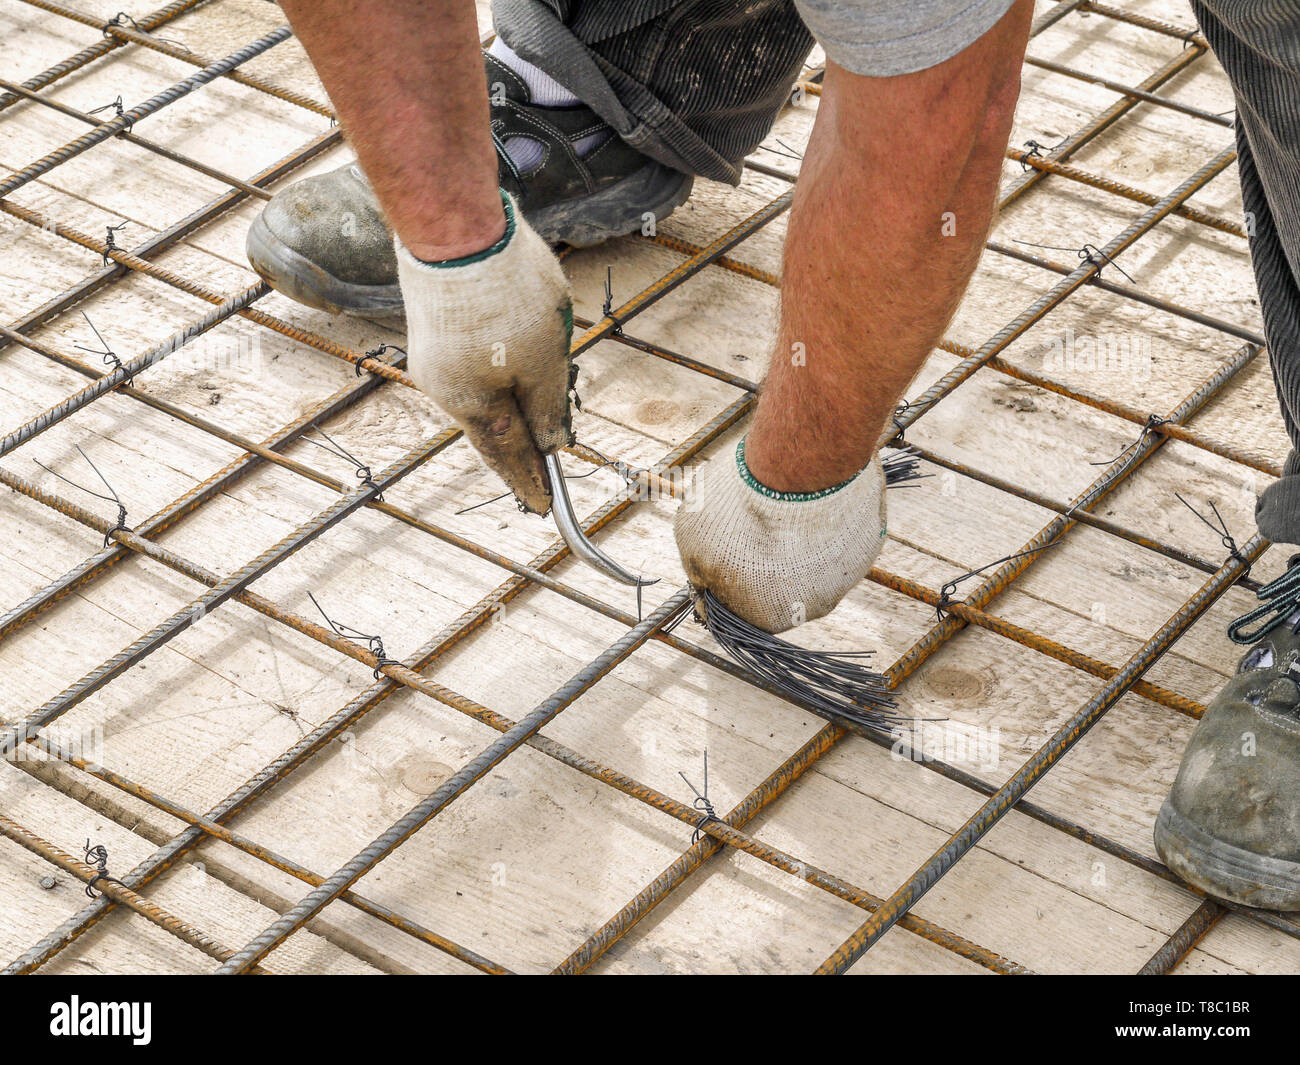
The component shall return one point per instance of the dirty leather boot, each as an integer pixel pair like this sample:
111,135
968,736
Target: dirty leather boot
1231,823
323,241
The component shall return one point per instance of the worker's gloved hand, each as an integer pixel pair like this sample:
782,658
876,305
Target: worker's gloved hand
488,339
779,559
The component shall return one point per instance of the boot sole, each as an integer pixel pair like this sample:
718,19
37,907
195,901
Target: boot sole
297,277
648,195
622,208
1223,870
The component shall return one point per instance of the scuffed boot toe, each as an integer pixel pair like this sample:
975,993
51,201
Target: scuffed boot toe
1231,823
322,241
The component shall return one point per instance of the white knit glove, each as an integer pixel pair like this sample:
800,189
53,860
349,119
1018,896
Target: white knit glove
779,559
488,340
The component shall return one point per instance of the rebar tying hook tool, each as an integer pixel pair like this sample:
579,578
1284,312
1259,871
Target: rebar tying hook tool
571,530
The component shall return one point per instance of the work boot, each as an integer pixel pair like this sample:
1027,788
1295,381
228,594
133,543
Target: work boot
323,241
1231,823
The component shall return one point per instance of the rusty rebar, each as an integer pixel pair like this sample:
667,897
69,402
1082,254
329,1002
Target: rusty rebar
102,47
123,34
1184,939
971,613
399,672
124,121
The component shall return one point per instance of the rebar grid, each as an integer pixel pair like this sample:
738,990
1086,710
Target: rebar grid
714,834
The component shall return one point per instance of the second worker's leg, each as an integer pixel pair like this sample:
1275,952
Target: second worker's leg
1231,823
695,84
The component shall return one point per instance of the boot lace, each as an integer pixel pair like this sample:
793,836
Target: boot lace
1279,600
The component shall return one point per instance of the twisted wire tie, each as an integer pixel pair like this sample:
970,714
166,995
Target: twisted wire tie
374,644
118,112
701,801
97,857
122,19
1089,253
903,407
361,470
375,353
1225,537
110,239
106,354
608,309
1035,151
112,496
1151,425
947,589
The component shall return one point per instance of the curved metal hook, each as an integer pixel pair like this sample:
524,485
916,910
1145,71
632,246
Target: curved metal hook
571,530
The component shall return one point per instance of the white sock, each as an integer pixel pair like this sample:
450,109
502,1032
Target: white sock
546,92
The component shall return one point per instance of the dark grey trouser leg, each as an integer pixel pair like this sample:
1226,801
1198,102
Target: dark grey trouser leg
1258,44
694,84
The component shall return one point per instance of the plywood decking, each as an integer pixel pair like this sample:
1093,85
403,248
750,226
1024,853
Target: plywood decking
533,860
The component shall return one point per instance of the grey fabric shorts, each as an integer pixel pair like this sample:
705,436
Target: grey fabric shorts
884,38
